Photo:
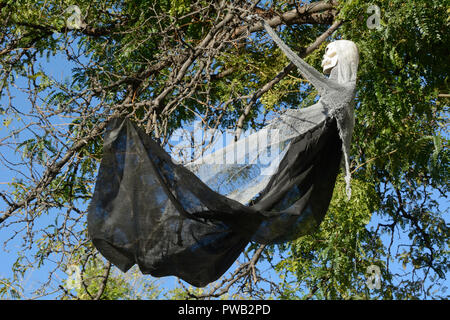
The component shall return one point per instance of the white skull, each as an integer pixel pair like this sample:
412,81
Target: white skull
330,58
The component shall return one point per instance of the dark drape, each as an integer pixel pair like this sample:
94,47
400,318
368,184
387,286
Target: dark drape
150,211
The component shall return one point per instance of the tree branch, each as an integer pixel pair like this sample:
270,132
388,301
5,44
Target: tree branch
310,13
105,276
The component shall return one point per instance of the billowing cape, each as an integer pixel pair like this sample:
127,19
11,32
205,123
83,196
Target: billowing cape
193,221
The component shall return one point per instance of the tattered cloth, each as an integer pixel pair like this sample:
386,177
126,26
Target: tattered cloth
194,221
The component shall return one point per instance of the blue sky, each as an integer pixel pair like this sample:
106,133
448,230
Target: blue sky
60,68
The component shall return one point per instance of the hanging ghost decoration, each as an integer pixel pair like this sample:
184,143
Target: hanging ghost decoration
193,221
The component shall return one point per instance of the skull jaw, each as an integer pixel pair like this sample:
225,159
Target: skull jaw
329,58
328,64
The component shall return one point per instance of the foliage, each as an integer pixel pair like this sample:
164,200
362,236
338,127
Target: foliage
167,63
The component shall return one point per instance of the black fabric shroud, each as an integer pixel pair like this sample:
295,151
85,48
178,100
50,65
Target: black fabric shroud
150,211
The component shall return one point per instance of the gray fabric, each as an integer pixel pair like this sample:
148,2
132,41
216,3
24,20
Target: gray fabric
257,156
337,94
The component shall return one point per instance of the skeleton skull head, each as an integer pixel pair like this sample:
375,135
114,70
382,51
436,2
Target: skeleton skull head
330,58
341,60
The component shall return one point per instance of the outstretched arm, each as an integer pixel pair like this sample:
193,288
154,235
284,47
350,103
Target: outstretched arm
317,79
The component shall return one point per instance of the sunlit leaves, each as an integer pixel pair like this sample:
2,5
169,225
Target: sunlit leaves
400,157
